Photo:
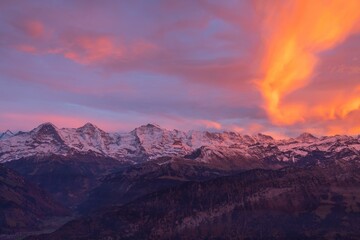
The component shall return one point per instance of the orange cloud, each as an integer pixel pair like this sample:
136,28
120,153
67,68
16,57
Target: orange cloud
295,32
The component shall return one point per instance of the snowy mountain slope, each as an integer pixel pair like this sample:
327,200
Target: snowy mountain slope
6,134
151,141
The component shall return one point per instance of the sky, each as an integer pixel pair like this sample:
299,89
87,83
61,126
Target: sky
276,67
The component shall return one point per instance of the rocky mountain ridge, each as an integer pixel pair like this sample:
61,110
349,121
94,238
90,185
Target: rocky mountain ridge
149,142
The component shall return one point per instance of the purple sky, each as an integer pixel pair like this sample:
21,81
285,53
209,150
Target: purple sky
180,64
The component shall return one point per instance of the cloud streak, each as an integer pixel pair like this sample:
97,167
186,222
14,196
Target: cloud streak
295,33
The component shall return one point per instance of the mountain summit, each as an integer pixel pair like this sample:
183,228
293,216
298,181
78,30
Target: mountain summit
6,134
306,137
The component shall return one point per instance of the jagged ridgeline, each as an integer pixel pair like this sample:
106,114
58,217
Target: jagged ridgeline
151,142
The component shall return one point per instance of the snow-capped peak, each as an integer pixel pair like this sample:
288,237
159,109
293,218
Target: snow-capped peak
306,137
48,126
149,126
46,134
91,130
89,126
263,138
6,134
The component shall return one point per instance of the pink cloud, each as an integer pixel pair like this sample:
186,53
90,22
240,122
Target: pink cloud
91,48
236,128
141,48
209,124
32,28
86,49
26,48
27,122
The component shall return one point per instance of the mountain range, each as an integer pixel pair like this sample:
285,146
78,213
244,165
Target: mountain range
151,142
168,184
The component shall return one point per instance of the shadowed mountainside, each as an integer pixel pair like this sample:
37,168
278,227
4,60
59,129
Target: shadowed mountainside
135,181
23,206
67,179
314,202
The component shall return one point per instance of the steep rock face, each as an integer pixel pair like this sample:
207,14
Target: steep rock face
87,138
156,141
318,202
23,206
150,142
46,133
